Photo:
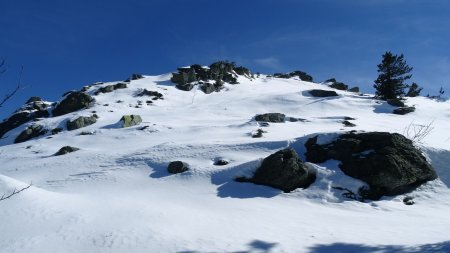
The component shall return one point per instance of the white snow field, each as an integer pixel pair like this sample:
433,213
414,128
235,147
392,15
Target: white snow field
115,194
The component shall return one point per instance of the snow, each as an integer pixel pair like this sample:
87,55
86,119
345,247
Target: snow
115,195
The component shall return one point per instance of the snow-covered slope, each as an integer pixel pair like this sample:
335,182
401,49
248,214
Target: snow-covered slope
115,195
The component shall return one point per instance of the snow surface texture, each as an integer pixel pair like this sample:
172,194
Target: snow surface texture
115,195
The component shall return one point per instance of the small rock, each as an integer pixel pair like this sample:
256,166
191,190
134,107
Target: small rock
81,122
65,150
395,102
348,123
221,162
177,167
271,117
323,93
404,110
130,120
258,133
408,200
30,132
354,89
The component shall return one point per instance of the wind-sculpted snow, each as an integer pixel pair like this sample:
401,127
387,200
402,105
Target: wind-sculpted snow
115,194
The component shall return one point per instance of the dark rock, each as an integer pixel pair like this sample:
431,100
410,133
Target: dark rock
81,122
354,89
56,130
263,124
283,170
73,102
408,201
136,76
30,132
258,133
404,110
395,102
156,95
336,85
221,162
300,74
210,88
331,80
34,108
177,167
65,150
120,86
348,118
271,117
389,163
111,88
33,99
130,120
323,93
348,123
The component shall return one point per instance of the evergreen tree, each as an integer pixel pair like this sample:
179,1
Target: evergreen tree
393,72
414,90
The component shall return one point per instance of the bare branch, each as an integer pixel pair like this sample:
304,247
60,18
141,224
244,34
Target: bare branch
15,192
12,93
418,132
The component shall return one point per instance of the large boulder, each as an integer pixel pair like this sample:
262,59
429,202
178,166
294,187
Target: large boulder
388,162
30,132
212,87
74,101
81,122
323,93
65,150
130,120
271,117
283,170
34,108
176,167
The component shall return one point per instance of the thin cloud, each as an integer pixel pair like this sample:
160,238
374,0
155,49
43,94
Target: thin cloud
269,62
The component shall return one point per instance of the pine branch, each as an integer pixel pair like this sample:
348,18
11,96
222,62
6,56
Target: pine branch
15,192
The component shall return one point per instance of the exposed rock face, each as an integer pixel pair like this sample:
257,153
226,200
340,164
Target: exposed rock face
217,73
65,150
212,87
130,120
395,102
404,110
34,108
283,170
177,167
323,93
271,117
388,163
81,122
73,102
111,88
221,162
300,74
29,133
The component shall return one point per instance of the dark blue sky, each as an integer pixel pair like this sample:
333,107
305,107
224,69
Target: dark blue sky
64,45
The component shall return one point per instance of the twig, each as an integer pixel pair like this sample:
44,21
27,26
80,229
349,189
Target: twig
15,192
18,87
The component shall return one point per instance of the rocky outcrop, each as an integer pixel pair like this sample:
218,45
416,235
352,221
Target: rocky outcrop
282,170
134,77
111,88
81,122
74,101
130,120
271,117
322,93
176,167
404,110
217,73
300,74
388,163
65,150
34,108
30,132
354,89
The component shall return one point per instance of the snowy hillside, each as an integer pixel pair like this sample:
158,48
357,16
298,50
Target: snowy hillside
115,195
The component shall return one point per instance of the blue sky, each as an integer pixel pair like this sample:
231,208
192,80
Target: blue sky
64,45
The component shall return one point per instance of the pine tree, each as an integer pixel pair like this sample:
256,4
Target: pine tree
393,72
414,90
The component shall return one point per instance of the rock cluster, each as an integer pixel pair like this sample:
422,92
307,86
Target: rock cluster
300,74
